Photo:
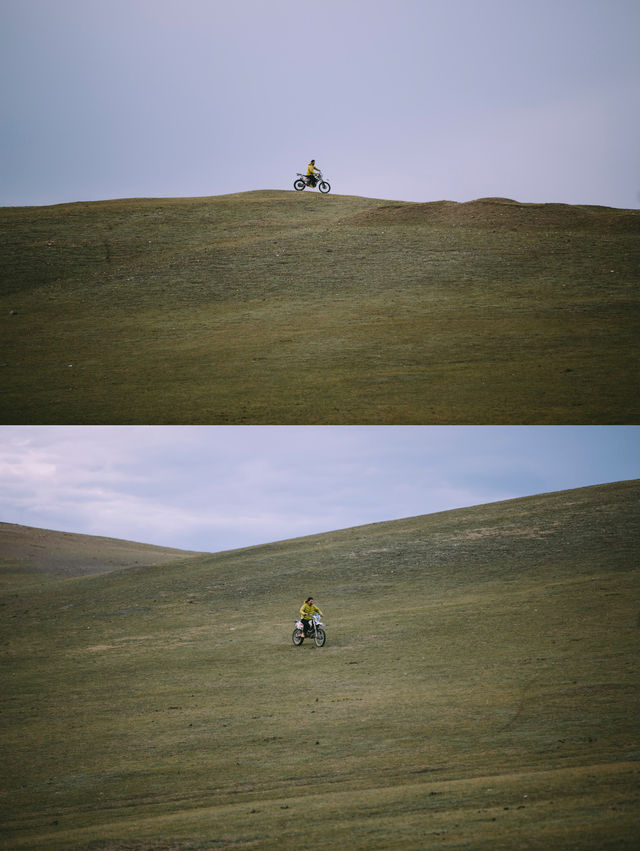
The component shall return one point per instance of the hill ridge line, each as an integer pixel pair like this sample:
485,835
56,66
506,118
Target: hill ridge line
175,553
269,193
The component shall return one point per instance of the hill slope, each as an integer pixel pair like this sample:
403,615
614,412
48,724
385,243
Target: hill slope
478,689
25,550
284,307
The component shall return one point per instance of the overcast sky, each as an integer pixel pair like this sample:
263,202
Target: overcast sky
216,488
415,100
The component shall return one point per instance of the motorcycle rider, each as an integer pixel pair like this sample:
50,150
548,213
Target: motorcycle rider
311,173
307,611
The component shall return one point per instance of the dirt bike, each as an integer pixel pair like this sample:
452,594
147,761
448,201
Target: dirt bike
303,180
312,630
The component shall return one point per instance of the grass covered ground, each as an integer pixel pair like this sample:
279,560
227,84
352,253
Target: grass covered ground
281,307
27,552
478,689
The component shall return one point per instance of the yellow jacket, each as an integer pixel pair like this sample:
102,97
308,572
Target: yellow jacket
307,611
311,169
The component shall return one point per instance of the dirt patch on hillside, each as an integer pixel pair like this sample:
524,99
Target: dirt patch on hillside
522,532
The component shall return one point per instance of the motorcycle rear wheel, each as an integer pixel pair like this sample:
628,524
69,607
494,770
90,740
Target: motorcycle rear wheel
324,187
299,184
297,637
320,637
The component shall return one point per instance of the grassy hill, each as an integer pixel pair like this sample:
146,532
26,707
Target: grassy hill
478,689
31,552
283,307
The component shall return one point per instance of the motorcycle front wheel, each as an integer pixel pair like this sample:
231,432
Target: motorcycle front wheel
297,637
299,184
320,637
324,187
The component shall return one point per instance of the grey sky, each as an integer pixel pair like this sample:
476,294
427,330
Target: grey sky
215,488
420,100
